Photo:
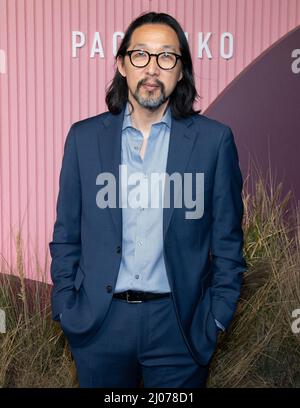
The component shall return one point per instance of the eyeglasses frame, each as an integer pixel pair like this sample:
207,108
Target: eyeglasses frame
154,55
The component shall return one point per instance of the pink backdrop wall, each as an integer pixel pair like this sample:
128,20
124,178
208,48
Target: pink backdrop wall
43,89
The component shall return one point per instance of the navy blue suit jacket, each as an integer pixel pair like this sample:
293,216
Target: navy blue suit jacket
203,257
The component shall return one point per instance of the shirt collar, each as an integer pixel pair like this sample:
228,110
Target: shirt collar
127,118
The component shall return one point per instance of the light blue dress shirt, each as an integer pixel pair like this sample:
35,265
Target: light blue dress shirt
142,265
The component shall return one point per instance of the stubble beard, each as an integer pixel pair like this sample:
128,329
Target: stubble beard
150,101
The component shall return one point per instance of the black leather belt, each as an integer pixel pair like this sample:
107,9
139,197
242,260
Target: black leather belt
132,296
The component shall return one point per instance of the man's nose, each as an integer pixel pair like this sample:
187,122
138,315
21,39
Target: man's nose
153,67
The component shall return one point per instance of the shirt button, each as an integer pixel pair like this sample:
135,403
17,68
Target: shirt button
137,276
118,249
108,288
140,243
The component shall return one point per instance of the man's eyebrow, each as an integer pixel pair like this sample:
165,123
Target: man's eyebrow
171,47
140,45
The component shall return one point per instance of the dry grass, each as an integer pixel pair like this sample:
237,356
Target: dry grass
33,352
259,349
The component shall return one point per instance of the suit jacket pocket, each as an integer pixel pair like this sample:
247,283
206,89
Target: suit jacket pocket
78,279
211,328
203,330
76,287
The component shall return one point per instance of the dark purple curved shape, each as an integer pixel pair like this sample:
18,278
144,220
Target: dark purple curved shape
262,106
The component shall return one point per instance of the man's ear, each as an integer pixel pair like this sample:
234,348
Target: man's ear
120,65
180,76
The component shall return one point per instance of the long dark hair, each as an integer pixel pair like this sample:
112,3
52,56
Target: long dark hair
184,94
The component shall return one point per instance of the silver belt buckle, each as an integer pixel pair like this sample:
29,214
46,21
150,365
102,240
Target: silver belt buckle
132,301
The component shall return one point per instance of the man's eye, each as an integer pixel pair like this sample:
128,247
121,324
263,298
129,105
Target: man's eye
166,55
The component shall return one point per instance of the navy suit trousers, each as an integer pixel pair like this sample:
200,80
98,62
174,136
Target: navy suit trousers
138,344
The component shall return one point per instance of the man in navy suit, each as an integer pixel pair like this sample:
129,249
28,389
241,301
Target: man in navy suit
142,290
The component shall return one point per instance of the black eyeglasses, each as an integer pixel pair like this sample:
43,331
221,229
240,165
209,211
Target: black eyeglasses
165,60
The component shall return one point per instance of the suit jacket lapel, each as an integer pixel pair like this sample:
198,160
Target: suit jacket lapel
181,144
109,141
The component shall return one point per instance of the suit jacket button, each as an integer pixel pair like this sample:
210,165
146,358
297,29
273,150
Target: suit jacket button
108,289
118,250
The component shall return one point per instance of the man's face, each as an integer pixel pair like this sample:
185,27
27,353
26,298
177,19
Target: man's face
151,86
